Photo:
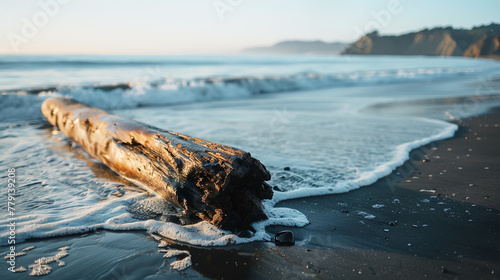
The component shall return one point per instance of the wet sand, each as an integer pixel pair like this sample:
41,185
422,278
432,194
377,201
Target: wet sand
440,219
444,202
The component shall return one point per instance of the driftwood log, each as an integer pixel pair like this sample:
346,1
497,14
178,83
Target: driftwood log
217,183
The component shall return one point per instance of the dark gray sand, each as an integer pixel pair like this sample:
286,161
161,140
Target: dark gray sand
444,202
436,217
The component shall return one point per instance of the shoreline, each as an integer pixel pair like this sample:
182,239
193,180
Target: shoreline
439,219
343,239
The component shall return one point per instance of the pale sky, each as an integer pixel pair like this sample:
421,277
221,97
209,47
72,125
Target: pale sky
183,27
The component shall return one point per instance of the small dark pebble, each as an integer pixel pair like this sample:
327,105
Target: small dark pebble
308,250
392,223
282,177
284,238
334,228
386,238
276,188
426,160
286,168
444,270
344,211
245,234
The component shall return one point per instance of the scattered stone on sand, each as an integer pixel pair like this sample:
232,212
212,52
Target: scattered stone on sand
28,248
40,270
61,263
392,223
344,211
65,248
284,238
245,234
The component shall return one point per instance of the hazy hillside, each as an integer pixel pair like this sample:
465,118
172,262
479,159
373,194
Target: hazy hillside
481,41
300,47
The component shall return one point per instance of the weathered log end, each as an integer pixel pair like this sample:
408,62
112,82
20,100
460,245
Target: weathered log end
217,183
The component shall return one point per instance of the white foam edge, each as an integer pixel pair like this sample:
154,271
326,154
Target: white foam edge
401,155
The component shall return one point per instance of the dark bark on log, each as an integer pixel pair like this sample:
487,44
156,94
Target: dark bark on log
217,183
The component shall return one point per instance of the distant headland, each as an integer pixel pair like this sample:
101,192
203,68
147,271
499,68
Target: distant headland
481,41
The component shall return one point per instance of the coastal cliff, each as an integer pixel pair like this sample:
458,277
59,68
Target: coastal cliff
481,41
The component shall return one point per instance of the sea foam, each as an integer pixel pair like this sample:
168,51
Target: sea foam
21,105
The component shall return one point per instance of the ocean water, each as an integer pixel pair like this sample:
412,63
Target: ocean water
308,113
